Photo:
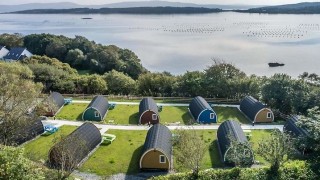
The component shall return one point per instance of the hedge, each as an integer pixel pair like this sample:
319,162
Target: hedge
292,170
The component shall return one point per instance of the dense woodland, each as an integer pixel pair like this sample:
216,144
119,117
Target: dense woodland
117,71
300,8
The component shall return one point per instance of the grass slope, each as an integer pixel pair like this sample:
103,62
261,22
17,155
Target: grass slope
38,149
230,113
172,114
122,156
72,111
124,114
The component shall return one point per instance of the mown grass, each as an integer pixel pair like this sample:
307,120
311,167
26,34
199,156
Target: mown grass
38,149
122,156
72,111
174,114
230,113
123,114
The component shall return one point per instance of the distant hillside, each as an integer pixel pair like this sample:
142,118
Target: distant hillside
22,7
173,4
300,8
67,5
133,10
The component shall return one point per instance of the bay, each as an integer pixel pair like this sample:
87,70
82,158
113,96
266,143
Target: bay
180,43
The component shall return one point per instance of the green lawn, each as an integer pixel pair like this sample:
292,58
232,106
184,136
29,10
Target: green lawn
38,149
72,111
230,113
173,114
124,114
122,156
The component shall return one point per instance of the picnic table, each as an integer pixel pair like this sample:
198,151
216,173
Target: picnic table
108,138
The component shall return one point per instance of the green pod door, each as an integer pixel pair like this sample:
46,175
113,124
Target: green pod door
91,114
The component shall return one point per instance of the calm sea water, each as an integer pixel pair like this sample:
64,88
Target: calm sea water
180,43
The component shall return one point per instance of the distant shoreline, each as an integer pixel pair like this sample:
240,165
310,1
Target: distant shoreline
135,10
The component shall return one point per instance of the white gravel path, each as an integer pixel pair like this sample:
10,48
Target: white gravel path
159,104
105,127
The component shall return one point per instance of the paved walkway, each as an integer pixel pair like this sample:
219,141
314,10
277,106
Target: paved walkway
160,104
104,127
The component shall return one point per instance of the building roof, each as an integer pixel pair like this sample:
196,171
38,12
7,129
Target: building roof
158,137
57,98
229,129
250,107
197,105
28,132
147,104
15,53
100,103
76,145
292,127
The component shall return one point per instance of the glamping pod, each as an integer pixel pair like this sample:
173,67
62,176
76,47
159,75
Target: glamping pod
201,111
157,149
72,149
148,111
30,131
255,110
230,131
58,100
291,127
295,131
96,110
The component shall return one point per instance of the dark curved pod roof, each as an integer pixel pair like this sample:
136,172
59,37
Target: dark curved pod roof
158,137
147,104
28,132
100,103
292,127
197,105
250,106
77,146
57,98
227,129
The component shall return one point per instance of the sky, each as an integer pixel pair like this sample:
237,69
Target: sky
93,2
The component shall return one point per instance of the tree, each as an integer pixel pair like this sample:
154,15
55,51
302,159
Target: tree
76,58
11,40
62,155
119,83
239,154
285,94
219,80
190,84
13,165
91,84
275,149
190,149
311,123
18,95
156,84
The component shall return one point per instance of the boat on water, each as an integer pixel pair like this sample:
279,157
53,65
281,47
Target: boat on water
86,18
275,64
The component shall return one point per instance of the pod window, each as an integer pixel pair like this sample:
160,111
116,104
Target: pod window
269,115
162,159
